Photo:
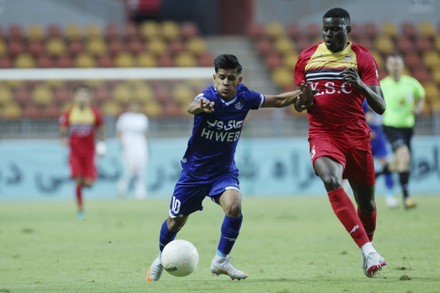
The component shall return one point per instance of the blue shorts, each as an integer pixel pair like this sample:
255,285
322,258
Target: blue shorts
189,192
379,143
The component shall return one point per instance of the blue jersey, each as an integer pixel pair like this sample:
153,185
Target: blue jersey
215,135
379,142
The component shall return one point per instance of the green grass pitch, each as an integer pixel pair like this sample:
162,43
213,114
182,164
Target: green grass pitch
293,244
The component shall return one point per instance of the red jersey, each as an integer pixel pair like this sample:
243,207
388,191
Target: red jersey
337,106
82,125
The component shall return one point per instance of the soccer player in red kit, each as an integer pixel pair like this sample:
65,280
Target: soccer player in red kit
78,126
342,74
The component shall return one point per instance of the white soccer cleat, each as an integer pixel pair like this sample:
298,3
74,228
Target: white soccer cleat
155,270
373,263
222,266
392,202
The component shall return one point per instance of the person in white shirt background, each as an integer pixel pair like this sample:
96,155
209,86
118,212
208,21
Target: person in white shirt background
131,128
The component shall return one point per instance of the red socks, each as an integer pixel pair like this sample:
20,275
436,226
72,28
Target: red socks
346,213
369,222
78,192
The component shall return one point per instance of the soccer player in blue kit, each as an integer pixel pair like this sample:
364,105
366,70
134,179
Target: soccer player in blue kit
208,166
380,152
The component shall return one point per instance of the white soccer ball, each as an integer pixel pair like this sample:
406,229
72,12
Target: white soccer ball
180,258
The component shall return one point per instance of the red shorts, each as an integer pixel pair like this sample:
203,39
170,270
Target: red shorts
354,154
82,165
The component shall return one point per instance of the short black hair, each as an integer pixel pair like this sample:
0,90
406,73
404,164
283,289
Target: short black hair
80,87
227,61
339,13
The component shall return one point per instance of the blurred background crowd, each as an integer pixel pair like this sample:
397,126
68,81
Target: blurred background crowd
266,36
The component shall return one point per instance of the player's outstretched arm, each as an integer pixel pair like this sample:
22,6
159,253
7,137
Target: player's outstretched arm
199,105
281,100
306,98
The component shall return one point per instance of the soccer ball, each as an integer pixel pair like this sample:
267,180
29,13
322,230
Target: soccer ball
180,258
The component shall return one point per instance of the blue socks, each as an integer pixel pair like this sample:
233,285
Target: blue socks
165,236
229,233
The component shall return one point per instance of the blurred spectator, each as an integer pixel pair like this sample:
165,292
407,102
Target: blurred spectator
131,130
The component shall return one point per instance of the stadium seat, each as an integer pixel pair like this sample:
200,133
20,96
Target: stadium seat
384,45
274,30
185,59
122,93
105,61
73,32
15,32
143,92
183,94
11,111
152,109
111,31
41,95
404,45
101,94
136,45
389,29
290,59
3,48
146,60
64,62
75,47
206,60
44,61
273,61
124,59
85,60
408,30
377,57
24,60
284,46
436,76
412,61
116,46
96,46
422,74
111,108
282,77
265,47
170,30
36,47
313,31
55,47
132,31
6,96
370,31
157,46
294,31
172,109
176,46
92,31
431,59
189,30
149,30
22,95
426,29
432,91
62,95
53,31
35,32
15,47
196,46
423,44
437,43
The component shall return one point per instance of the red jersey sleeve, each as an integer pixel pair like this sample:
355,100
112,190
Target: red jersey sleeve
99,119
63,121
367,66
300,72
